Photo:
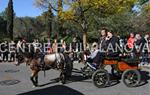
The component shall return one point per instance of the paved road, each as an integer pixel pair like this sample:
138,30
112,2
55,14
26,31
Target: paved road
15,81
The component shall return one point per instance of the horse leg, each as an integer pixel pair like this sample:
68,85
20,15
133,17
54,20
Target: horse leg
63,77
34,78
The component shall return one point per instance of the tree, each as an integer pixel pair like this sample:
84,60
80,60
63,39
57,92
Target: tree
81,11
49,19
3,25
84,12
60,10
3,14
10,19
141,21
52,5
141,2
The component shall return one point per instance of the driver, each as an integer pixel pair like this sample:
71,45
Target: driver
94,59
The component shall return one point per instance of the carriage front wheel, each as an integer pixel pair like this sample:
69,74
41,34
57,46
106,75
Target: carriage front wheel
131,78
100,78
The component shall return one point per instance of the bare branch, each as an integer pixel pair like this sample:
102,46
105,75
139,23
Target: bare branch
52,7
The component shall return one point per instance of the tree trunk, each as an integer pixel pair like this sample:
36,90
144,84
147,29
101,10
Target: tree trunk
84,40
49,17
59,12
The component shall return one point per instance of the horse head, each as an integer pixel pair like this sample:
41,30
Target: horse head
23,58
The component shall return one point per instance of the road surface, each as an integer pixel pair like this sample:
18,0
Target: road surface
15,80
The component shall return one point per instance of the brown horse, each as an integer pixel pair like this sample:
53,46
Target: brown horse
58,61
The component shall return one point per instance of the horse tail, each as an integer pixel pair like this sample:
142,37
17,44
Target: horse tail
44,73
44,70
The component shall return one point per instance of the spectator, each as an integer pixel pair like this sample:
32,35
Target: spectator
55,46
130,44
12,51
50,50
0,56
131,41
5,51
145,54
19,45
138,41
63,46
74,43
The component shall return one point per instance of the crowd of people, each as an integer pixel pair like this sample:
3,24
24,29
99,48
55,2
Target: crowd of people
9,50
5,54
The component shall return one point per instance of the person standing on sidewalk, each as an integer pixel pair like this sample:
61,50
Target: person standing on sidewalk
12,51
131,45
5,51
145,51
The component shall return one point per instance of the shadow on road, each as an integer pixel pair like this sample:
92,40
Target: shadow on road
54,90
114,80
9,82
145,77
52,81
79,78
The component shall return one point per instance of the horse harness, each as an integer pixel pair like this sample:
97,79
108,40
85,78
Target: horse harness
59,63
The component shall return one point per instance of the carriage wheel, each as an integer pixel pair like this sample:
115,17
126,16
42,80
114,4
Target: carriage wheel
131,78
100,78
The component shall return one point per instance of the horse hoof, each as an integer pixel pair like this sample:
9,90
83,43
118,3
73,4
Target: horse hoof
34,86
61,83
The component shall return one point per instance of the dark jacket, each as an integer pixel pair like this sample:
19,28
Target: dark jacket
102,43
114,41
141,44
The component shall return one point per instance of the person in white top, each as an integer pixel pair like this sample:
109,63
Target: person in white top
93,59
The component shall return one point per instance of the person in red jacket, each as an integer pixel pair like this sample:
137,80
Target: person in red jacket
131,45
131,41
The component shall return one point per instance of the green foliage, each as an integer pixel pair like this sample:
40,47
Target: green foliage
3,25
10,19
82,18
141,2
141,23
49,20
28,28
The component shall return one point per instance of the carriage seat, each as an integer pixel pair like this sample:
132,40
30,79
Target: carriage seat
111,58
131,60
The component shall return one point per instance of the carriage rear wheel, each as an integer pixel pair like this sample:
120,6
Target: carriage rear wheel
131,78
100,78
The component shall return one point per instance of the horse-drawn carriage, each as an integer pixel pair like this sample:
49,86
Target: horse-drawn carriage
100,76
127,68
